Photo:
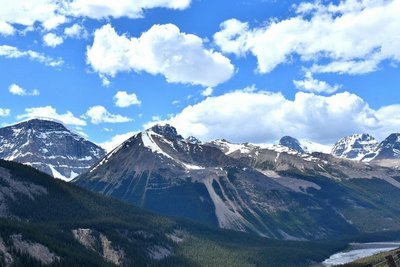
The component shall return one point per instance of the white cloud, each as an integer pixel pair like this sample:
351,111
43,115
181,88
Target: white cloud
6,29
351,37
207,92
259,116
389,117
51,113
122,8
27,13
310,84
99,114
163,49
233,37
4,112
18,90
52,40
50,14
13,52
123,99
116,141
76,31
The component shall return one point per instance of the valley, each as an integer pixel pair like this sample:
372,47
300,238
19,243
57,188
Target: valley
271,196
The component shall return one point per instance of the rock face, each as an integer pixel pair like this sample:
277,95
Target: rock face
49,147
7,259
100,244
276,192
387,153
364,148
33,249
292,143
12,189
355,147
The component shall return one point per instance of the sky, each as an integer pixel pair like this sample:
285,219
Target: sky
245,71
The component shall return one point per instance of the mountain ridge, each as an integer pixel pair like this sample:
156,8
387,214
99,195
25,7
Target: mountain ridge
48,146
242,187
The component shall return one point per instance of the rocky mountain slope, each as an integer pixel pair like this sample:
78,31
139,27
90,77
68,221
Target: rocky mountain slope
279,192
355,147
365,148
292,143
387,153
49,147
47,222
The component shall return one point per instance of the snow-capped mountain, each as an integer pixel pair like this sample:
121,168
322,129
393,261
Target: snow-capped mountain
365,148
311,146
355,147
387,152
237,186
49,147
292,143
286,144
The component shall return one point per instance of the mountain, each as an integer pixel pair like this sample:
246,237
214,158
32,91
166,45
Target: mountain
47,222
49,147
355,147
277,193
310,147
292,143
387,152
365,148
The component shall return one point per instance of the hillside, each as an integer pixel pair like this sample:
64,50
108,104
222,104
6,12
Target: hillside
49,222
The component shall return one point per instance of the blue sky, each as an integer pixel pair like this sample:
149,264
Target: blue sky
241,70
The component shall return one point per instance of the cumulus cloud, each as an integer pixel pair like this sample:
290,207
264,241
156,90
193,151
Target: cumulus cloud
6,29
51,113
164,50
18,90
207,92
260,116
26,13
52,40
351,37
76,31
310,84
116,141
13,52
50,14
122,8
99,114
4,112
123,99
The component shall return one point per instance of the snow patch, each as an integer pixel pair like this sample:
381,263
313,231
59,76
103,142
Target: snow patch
151,144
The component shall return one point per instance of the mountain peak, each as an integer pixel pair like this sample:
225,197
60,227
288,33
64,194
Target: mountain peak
355,147
292,143
193,140
389,150
166,130
393,138
40,123
48,146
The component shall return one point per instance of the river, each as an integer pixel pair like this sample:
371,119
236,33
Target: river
360,250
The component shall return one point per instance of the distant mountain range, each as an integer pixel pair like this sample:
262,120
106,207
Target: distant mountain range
284,191
276,191
49,147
